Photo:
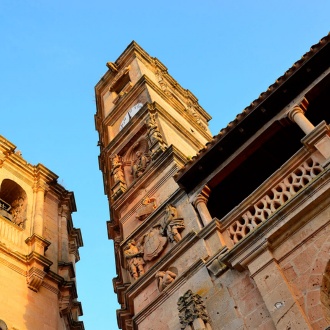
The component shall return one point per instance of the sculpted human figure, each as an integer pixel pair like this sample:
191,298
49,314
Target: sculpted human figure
116,169
153,130
134,259
18,208
171,224
164,279
139,165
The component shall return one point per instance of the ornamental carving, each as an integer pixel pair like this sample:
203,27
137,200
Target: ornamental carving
153,243
148,206
171,225
192,312
165,278
157,144
117,169
277,196
139,164
133,253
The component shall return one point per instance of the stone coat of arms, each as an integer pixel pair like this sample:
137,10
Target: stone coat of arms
154,243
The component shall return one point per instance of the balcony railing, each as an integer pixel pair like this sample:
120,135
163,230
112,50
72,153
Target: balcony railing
276,191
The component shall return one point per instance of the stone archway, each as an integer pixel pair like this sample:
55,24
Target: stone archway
13,200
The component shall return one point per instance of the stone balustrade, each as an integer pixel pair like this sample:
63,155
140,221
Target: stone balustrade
277,190
10,234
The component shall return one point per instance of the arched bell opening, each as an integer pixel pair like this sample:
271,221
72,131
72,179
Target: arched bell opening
13,202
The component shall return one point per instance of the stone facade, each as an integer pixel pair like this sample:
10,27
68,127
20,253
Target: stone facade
235,237
38,247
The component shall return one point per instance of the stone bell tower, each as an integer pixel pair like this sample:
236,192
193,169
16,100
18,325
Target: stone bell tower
149,126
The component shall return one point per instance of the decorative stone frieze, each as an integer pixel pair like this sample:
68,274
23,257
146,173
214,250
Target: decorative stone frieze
192,312
276,197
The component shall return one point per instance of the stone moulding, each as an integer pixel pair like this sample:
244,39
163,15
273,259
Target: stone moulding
285,183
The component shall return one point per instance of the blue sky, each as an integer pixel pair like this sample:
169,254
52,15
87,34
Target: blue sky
54,52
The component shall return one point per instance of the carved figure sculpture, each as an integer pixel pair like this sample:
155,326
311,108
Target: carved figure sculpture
171,224
165,278
192,311
135,262
116,169
18,211
139,164
153,243
148,206
153,131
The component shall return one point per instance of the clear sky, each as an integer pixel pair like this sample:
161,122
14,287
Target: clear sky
53,52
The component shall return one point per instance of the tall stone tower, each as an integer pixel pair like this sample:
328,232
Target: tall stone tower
38,247
149,126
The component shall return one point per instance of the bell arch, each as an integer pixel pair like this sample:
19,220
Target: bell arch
13,202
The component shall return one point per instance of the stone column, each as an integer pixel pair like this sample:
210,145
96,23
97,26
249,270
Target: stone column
297,115
317,138
200,204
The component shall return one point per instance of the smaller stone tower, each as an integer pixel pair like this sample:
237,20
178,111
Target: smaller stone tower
38,247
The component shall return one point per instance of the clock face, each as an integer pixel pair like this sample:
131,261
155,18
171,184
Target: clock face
130,113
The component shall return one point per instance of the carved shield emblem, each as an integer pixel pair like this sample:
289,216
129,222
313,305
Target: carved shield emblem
154,244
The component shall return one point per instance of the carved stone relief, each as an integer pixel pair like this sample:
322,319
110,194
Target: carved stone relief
153,243
133,253
192,312
171,224
165,278
148,206
140,163
156,141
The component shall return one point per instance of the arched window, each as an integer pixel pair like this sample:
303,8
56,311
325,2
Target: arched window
13,202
